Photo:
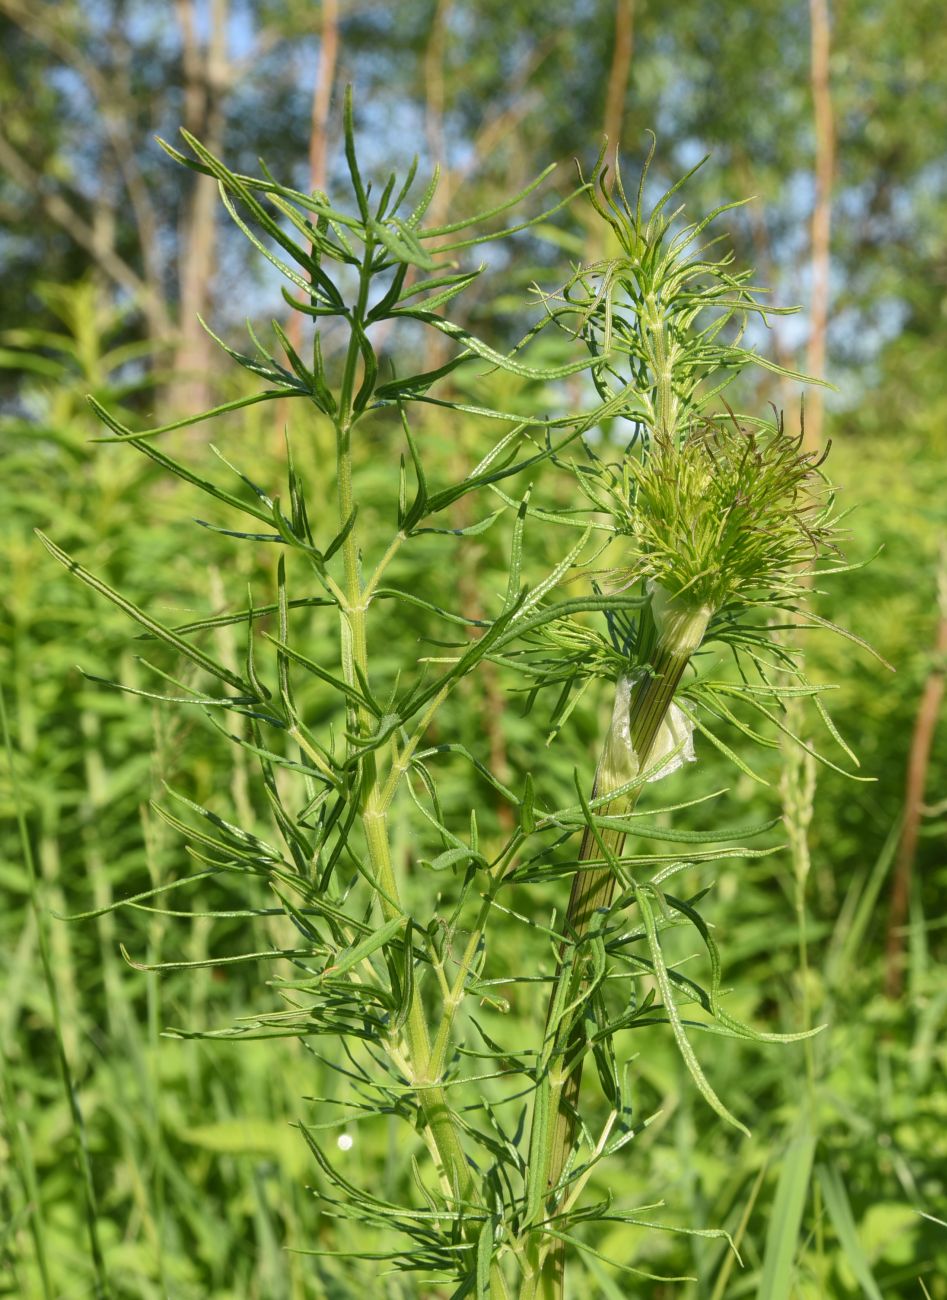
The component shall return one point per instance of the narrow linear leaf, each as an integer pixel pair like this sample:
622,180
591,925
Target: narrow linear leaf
782,1237
145,620
382,936
840,1212
674,1018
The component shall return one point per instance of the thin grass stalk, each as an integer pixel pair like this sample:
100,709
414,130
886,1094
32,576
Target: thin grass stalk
101,1287
16,1138
798,786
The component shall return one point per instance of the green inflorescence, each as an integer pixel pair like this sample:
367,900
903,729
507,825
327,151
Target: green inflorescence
728,515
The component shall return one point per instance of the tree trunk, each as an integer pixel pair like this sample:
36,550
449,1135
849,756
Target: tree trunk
619,75
206,79
922,740
821,216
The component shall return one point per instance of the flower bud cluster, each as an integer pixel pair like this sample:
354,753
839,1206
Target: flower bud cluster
725,516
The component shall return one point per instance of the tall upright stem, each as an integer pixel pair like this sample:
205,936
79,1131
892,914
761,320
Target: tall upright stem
423,1066
671,632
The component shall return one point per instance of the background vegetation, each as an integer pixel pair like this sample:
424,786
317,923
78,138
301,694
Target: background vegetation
188,1180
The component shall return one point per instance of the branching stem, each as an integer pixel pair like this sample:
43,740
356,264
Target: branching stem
424,1065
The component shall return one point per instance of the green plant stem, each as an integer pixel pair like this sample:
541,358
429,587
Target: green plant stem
669,635
430,1093
375,821
455,994
424,1066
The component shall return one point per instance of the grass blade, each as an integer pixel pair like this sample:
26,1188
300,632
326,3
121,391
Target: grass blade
840,1212
789,1203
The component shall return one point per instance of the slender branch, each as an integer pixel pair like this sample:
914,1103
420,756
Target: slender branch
403,760
455,994
392,550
